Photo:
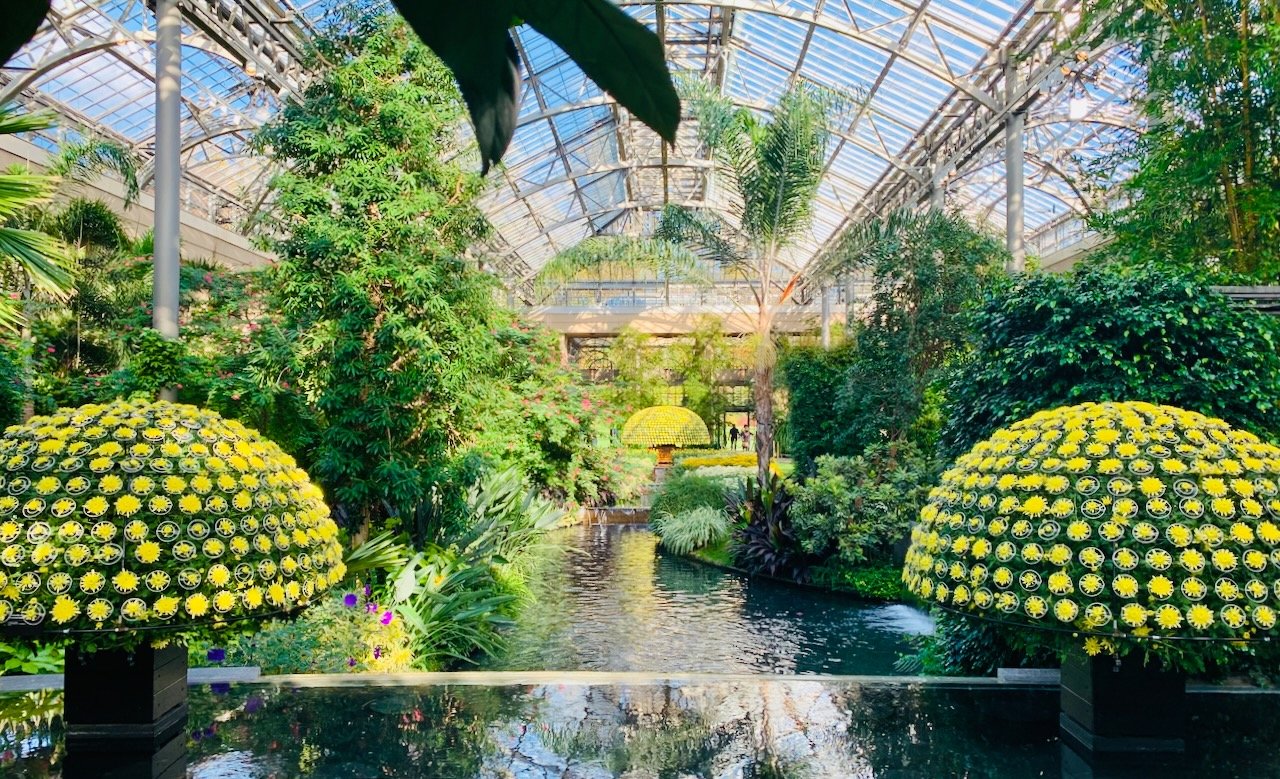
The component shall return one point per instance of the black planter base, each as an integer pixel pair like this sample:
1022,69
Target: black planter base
1116,707
126,713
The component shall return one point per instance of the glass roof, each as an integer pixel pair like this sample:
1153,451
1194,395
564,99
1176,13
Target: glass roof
935,73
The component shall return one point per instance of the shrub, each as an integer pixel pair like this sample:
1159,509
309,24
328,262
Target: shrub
873,582
812,377
1103,332
764,542
343,632
682,533
684,491
856,508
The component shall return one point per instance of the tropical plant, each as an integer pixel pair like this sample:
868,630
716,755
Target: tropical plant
454,593
929,268
813,377
689,530
638,379
1120,527
854,509
1107,332
684,491
31,261
764,540
1198,188
700,359
773,167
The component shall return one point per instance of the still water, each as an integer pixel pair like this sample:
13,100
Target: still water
769,727
606,599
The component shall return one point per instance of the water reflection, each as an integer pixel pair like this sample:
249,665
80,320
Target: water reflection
617,604
728,729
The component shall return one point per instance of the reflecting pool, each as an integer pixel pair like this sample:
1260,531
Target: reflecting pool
606,599
728,728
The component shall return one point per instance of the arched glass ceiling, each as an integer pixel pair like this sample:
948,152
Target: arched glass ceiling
935,75
934,72
93,63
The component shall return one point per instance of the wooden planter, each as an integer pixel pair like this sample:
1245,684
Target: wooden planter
1121,706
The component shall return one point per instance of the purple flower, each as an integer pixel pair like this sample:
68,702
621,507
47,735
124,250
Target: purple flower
351,662
220,688
377,653
253,704
367,591
387,617
372,608
217,655
350,600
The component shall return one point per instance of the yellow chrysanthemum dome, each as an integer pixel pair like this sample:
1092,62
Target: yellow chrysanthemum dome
665,428
154,514
1127,520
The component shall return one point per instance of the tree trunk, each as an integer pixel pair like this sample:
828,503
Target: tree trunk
763,389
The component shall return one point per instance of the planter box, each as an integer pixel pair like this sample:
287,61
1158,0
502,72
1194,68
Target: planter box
125,701
1111,706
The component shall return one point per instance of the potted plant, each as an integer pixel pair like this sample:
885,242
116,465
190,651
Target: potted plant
1138,540
130,528
664,428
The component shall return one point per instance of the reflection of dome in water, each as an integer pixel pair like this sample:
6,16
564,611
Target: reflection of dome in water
154,514
1124,519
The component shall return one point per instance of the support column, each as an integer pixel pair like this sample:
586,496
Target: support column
168,170
826,317
1014,160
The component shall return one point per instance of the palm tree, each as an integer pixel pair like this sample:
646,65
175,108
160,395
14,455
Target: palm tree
774,166
33,261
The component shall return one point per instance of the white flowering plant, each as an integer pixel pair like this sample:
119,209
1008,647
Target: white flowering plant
1112,526
119,520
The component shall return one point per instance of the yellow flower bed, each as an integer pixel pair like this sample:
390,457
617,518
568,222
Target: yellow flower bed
1117,521
737,460
155,514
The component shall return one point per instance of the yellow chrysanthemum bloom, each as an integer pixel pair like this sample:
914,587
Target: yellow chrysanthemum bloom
99,610
147,552
1199,616
128,505
64,610
125,581
166,606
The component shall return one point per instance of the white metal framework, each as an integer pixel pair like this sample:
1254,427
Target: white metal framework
945,81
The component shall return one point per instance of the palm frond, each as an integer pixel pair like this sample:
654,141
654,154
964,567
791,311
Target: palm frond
863,242
41,257
13,122
84,160
21,190
708,237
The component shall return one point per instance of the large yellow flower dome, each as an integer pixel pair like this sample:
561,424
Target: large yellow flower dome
1122,520
665,426
151,514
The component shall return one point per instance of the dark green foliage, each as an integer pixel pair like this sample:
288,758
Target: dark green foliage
928,269
872,582
620,54
966,646
764,540
684,491
12,386
90,224
854,509
24,18
156,361
812,375
1206,190
690,530
1105,332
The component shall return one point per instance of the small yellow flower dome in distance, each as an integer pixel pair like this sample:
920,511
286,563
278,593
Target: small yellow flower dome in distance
120,532
1163,523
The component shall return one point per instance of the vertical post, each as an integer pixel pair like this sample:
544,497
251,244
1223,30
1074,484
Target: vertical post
1014,129
168,169
938,191
826,317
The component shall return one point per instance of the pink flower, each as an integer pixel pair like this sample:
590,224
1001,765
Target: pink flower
387,617
235,396
51,350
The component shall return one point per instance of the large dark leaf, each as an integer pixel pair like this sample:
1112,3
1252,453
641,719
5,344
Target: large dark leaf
618,53
472,40
25,17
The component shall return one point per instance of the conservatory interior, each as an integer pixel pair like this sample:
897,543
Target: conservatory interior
639,388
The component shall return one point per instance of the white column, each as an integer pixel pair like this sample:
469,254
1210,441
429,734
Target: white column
826,317
1014,161
168,170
